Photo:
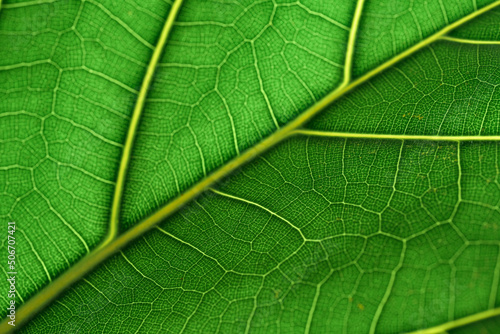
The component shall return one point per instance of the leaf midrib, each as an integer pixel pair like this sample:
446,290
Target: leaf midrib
113,243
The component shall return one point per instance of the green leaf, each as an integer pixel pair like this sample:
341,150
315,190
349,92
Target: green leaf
271,166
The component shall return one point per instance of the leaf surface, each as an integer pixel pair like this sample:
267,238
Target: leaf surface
379,215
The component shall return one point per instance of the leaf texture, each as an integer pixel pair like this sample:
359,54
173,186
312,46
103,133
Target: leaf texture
379,215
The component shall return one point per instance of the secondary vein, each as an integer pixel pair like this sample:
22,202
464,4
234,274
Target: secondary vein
469,41
351,42
332,134
134,122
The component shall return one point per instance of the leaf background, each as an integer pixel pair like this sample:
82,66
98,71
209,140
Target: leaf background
353,234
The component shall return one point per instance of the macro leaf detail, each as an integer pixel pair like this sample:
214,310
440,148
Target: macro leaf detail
252,166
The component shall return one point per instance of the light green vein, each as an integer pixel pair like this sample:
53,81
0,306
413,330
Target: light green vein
124,25
387,294
313,13
26,4
193,247
317,293
261,84
108,78
351,42
89,262
61,218
134,122
494,284
36,254
392,136
469,41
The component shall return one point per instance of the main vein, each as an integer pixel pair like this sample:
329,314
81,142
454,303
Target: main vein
351,43
134,122
112,245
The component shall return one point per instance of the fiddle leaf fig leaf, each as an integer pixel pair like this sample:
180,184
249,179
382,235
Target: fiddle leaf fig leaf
250,166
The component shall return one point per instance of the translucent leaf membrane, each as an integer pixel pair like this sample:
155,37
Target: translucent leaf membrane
487,28
389,27
232,74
